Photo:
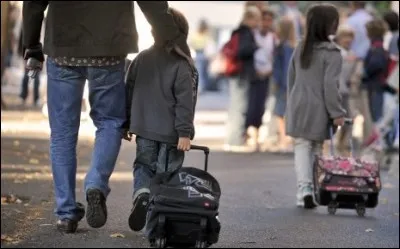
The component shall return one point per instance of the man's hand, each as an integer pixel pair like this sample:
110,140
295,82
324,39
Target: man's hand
34,66
339,121
127,135
34,60
184,144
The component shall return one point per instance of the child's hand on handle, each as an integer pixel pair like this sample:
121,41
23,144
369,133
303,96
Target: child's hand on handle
339,121
184,144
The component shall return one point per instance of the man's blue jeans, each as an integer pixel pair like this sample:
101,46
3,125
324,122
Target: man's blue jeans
107,99
150,160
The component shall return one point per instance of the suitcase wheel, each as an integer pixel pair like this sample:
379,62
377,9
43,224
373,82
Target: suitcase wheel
360,209
160,243
332,207
200,244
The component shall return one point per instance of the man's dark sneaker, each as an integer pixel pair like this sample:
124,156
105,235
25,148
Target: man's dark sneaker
137,219
96,213
67,225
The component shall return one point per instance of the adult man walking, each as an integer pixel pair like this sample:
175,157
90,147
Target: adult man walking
87,40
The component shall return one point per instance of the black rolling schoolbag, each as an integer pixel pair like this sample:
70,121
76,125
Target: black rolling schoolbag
183,208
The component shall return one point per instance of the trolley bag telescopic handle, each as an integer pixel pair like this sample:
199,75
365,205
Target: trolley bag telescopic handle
192,147
347,121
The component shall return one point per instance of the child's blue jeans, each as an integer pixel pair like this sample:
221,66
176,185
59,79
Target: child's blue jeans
150,160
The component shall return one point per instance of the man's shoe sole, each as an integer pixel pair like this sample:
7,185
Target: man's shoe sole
96,216
137,219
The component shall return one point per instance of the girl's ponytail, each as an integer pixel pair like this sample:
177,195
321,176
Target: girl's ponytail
322,21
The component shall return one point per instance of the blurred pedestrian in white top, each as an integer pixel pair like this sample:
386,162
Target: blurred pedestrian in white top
266,40
357,20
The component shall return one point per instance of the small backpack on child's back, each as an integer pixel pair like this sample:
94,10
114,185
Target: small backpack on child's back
226,62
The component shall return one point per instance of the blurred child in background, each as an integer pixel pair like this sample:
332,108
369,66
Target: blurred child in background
263,59
283,53
344,38
375,68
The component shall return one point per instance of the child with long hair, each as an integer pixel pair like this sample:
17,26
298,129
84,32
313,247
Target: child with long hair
283,54
314,102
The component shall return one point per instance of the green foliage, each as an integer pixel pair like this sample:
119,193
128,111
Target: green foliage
382,6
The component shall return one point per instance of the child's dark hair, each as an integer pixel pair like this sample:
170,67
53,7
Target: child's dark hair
376,29
392,20
322,21
183,26
180,21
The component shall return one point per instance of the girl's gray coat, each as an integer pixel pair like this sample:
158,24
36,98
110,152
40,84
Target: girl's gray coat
313,94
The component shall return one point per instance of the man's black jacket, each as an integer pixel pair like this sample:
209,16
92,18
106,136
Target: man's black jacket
92,28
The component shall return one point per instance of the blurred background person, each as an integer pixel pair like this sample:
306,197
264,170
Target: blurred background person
200,42
263,60
11,38
289,9
283,54
344,39
8,21
240,84
261,5
390,43
375,67
382,138
25,80
357,20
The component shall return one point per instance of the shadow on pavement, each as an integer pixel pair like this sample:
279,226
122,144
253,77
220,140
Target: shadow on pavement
257,205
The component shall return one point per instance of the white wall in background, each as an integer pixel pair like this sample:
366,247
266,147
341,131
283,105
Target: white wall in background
218,13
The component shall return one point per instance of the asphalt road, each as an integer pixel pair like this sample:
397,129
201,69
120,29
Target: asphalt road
257,205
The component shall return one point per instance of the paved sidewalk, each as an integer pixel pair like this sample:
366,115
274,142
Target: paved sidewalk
257,206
